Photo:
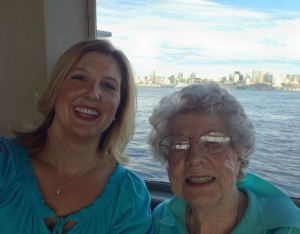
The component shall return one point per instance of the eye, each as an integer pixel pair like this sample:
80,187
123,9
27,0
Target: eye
211,144
180,146
110,86
78,77
174,144
214,144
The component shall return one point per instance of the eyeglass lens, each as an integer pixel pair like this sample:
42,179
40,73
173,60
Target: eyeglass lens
212,143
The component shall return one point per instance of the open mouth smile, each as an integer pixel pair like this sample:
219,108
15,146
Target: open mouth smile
200,180
87,111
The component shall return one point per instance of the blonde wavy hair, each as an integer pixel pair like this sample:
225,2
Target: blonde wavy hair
119,133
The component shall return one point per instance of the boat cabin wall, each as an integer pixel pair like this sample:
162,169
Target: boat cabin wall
34,33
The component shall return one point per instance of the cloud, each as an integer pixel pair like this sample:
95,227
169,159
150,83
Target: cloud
200,36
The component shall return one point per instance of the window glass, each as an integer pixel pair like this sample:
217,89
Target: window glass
250,47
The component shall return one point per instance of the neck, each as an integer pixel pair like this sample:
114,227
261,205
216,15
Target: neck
222,218
71,141
66,155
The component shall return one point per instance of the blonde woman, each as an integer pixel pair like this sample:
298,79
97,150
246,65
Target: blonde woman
66,176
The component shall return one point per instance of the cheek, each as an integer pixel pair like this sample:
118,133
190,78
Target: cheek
229,169
116,104
64,93
232,164
112,101
60,99
172,160
62,104
176,179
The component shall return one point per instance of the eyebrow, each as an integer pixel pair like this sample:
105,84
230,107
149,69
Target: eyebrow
87,71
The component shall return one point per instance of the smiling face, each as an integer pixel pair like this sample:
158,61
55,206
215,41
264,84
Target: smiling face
200,178
88,98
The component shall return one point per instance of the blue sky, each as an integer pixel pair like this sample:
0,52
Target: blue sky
209,38
263,4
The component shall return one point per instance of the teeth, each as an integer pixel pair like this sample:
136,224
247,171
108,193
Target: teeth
86,111
200,180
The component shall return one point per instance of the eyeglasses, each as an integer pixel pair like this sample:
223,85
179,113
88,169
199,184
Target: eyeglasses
210,142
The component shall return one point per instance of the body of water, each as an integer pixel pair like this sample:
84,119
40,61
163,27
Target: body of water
276,116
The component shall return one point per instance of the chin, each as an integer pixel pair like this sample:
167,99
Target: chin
86,134
200,200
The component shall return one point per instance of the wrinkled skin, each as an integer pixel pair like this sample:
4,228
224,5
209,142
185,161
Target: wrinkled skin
202,180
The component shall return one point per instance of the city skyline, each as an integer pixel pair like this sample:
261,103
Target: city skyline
209,38
237,77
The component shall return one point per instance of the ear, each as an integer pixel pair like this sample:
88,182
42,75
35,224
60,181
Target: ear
239,157
238,161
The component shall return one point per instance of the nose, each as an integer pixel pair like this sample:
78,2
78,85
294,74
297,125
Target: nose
94,92
195,155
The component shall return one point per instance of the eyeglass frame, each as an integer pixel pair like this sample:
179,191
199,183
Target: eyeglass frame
227,139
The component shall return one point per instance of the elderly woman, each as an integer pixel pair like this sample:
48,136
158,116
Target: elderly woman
205,139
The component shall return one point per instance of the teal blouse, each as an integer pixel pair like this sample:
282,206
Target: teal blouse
123,207
269,211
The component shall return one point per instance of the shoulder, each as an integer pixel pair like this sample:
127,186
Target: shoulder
169,206
160,213
130,189
132,204
275,208
9,160
130,181
9,151
169,216
7,144
10,146
286,230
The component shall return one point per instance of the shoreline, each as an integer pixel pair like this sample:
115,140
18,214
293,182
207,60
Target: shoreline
237,87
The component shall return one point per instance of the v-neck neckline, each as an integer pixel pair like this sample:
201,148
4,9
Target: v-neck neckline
33,193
